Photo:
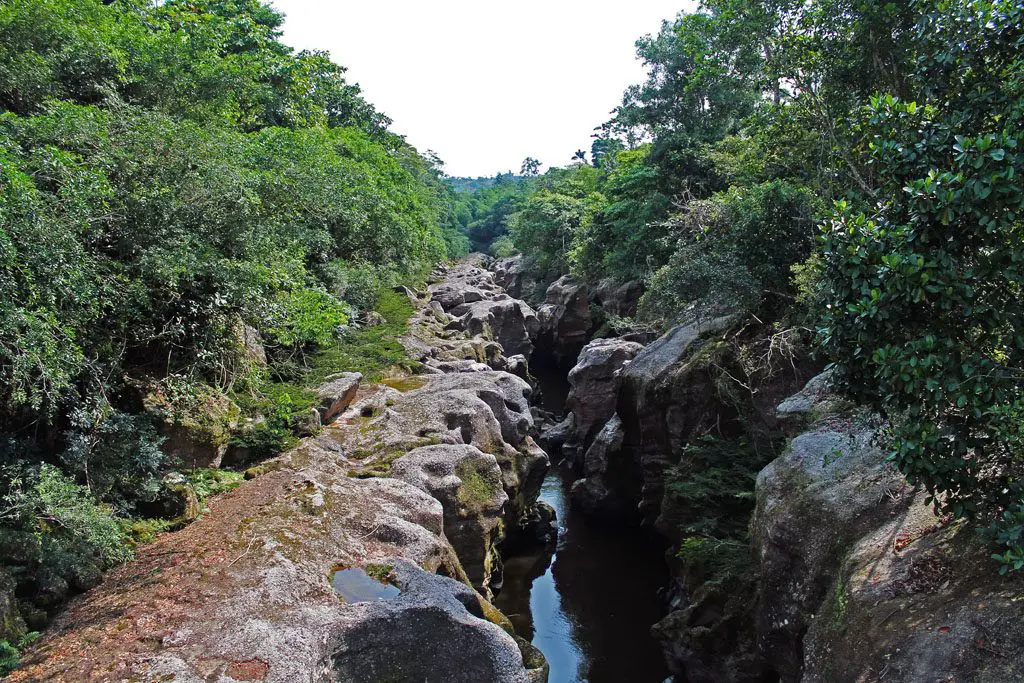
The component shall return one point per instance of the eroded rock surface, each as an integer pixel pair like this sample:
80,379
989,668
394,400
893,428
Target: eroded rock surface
593,390
469,320
566,321
664,400
468,484
859,580
410,480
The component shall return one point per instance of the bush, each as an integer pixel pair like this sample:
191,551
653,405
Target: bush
116,454
735,252
65,518
923,280
503,247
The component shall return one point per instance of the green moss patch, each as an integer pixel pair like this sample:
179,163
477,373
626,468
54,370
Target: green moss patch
475,491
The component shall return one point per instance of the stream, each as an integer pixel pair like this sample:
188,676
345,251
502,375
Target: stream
589,605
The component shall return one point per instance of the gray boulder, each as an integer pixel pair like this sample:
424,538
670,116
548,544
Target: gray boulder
336,394
831,487
594,386
617,299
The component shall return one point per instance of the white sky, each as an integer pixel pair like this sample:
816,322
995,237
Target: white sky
482,83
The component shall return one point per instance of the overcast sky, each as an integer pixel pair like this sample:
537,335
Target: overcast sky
485,84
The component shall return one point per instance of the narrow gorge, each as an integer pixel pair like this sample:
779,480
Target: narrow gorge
732,393
413,537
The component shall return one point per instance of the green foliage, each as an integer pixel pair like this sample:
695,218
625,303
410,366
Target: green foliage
117,454
503,247
546,227
922,277
178,188
210,482
10,653
735,252
714,481
62,516
718,561
308,316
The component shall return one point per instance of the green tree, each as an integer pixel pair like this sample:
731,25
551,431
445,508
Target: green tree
923,316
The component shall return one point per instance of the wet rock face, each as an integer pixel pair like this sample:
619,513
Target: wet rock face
593,390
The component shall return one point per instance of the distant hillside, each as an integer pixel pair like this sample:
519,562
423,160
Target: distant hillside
470,185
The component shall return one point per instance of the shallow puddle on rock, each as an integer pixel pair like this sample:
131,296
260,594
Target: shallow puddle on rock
355,585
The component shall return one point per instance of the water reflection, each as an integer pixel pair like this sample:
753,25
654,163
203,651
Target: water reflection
590,609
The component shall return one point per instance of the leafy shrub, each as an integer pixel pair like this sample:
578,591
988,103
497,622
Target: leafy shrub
922,280
10,653
63,516
116,454
503,247
356,283
735,251
308,316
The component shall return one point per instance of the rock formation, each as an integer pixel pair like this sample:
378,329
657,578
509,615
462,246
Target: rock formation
470,321
593,390
566,321
414,482
663,400
859,579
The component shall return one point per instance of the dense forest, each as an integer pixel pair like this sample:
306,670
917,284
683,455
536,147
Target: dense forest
176,183
844,174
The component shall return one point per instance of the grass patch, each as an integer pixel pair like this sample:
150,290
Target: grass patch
210,482
285,403
145,530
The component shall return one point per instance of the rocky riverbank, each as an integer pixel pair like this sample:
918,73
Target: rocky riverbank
850,577
410,485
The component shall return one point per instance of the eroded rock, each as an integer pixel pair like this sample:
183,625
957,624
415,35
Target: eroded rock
336,394
468,483
664,400
593,389
859,580
566,321
604,463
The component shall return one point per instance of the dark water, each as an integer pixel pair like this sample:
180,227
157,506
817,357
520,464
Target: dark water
590,609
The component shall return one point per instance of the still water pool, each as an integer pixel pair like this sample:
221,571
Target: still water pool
590,608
